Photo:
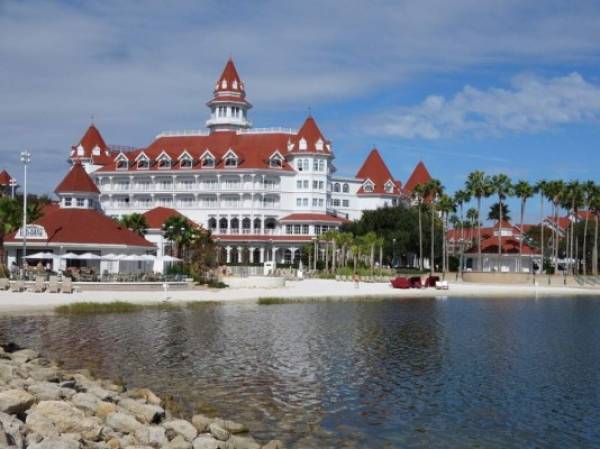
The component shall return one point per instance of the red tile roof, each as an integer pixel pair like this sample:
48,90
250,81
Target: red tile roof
420,175
510,245
5,178
310,132
229,75
84,226
312,218
374,168
93,147
155,218
77,181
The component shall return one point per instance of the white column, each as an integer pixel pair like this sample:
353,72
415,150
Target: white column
273,254
251,254
228,249
239,254
262,254
293,251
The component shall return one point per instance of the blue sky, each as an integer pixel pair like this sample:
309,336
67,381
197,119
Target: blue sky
502,86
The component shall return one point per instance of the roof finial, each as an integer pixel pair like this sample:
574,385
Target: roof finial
309,111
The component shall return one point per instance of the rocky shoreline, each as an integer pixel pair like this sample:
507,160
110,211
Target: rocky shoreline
43,406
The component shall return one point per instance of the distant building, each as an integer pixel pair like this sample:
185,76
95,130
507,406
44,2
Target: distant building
7,183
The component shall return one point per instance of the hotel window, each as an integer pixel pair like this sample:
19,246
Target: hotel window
288,229
297,229
143,163
68,201
321,185
336,187
305,229
300,165
305,184
302,144
389,187
315,202
345,203
299,202
231,162
321,165
315,185
208,162
336,202
315,165
368,187
299,184
122,164
80,202
320,202
164,163
187,201
276,162
186,184
317,229
319,145
345,188
305,202
185,162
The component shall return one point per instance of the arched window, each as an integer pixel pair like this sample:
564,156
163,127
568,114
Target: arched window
122,164
389,187
231,161
302,144
164,162
345,188
336,187
185,162
208,162
319,145
275,162
235,223
300,165
223,223
143,163
212,223
368,186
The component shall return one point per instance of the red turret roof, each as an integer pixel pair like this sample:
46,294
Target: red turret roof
155,218
311,134
375,170
233,83
77,181
91,146
420,175
5,178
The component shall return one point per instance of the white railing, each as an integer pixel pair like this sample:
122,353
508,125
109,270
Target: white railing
271,130
184,132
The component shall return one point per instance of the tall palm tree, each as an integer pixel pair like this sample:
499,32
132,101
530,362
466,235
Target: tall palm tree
501,186
369,241
461,197
446,206
590,189
595,208
541,188
135,222
345,241
10,220
523,191
479,186
179,230
573,200
418,195
433,189
555,192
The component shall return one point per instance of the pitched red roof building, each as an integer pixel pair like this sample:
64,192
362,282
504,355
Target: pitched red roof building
156,218
91,148
377,177
77,181
5,178
420,175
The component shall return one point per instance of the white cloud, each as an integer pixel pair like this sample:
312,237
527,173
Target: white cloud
530,104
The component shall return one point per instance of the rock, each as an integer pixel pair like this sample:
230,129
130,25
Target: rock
123,423
44,374
86,401
152,436
273,444
218,432
179,443
182,427
15,401
105,408
231,426
147,413
65,417
201,422
46,391
8,372
145,394
56,443
24,355
12,431
236,442
113,443
205,442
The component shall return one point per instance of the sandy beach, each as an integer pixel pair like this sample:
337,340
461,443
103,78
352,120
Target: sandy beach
27,302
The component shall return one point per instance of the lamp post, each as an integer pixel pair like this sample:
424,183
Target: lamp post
25,159
393,252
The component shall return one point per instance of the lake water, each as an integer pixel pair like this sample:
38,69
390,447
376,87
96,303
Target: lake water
455,373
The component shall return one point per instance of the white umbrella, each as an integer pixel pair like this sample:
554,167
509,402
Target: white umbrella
40,255
170,259
89,256
70,256
149,257
134,258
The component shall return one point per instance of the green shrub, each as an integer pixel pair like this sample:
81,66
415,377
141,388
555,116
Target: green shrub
94,307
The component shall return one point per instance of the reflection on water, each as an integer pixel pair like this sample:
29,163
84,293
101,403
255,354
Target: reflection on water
382,374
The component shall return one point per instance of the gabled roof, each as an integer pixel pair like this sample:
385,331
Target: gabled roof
5,178
155,218
510,245
374,169
310,132
91,146
77,181
231,78
420,175
83,226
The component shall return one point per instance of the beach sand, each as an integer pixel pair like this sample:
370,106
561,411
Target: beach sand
27,302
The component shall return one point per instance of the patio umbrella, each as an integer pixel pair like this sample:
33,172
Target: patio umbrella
70,256
170,259
40,255
89,256
135,258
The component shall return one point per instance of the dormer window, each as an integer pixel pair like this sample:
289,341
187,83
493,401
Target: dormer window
224,84
121,162
143,163
235,84
80,150
368,187
389,187
302,144
96,151
185,162
164,161
276,160
319,145
231,161
208,162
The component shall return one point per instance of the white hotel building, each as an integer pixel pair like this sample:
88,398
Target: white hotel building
264,193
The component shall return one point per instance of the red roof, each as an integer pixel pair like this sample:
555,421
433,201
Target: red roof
5,178
91,146
233,83
510,245
420,175
77,181
83,226
155,218
311,134
323,218
374,169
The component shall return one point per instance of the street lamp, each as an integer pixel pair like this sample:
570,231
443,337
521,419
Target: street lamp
393,252
25,159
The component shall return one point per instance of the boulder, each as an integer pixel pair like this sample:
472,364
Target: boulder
231,426
12,431
15,401
179,443
205,442
144,394
182,427
236,442
86,401
46,391
123,423
8,371
273,444
63,416
105,408
24,355
201,422
147,413
40,374
152,436
56,443
218,432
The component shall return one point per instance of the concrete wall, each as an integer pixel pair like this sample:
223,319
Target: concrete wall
518,278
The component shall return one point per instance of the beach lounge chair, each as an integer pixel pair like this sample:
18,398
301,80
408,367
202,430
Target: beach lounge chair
53,286
4,284
415,282
441,285
400,282
18,286
67,285
430,281
40,284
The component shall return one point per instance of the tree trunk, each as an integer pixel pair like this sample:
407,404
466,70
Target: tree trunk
585,231
372,261
420,240
326,256
595,249
480,262
521,239
333,255
499,233
380,259
462,240
444,230
432,263
542,230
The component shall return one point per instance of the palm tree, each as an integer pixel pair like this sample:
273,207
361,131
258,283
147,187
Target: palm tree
554,192
573,199
345,240
10,220
135,222
446,205
479,186
418,195
179,230
502,187
523,191
369,241
433,189
595,208
461,197
590,189
541,188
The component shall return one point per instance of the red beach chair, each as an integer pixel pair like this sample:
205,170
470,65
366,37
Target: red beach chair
400,282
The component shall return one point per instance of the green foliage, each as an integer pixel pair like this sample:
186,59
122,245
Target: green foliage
135,222
494,213
79,308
